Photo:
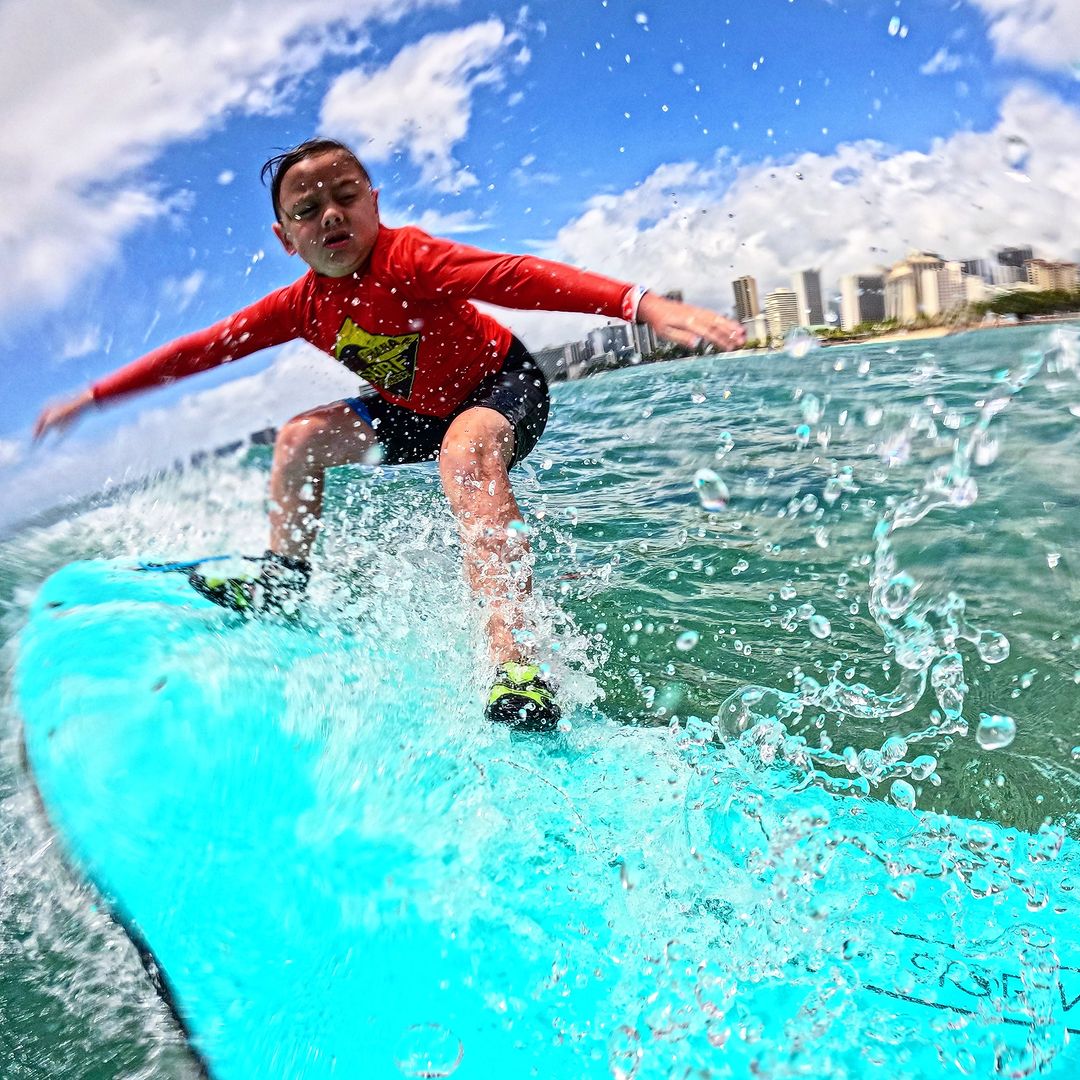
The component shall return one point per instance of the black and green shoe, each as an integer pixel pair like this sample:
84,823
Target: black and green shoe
270,584
521,698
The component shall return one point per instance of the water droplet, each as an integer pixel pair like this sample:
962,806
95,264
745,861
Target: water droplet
923,767
712,492
787,592
894,26
1053,558
1075,753
724,445
625,1053
811,409
802,434
1016,153
986,449
903,794
800,342
641,18
896,450
697,394
898,595
995,731
872,415
832,490
428,1050
992,647
687,640
820,627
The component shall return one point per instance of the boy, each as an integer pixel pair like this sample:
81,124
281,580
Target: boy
445,382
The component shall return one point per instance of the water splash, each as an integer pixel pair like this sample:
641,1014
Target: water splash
926,633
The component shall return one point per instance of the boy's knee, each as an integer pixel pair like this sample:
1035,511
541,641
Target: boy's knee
304,433
476,450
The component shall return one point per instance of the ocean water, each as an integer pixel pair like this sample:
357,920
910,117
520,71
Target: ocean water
858,565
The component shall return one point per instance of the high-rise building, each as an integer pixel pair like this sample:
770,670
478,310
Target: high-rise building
757,329
746,298
1064,276
644,338
942,289
609,339
992,271
781,312
903,286
1014,256
808,297
862,300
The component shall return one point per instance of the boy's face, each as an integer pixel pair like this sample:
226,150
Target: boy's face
329,214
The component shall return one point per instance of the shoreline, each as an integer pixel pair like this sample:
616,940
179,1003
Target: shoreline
929,333
926,333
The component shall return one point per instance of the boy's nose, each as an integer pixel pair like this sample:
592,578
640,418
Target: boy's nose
332,214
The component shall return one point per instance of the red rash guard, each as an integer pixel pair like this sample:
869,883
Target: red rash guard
403,322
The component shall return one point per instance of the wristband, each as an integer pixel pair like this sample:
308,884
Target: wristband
631,302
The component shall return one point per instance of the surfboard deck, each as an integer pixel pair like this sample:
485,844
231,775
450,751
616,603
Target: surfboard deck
340,870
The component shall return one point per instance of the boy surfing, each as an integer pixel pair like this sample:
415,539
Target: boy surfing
445,382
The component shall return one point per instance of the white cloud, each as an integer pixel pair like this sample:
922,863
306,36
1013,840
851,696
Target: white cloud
421,103
942,62
179,292
696,228
78,343
1043,33
436,222
103,88
300,378
11,452
529,178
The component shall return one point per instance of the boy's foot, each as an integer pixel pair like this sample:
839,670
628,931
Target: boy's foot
520,697
271,583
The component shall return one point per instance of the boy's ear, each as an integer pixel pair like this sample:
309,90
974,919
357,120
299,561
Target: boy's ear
283,236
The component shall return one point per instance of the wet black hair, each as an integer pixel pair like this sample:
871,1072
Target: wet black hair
277,166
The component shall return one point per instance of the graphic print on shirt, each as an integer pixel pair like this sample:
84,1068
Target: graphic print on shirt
386,361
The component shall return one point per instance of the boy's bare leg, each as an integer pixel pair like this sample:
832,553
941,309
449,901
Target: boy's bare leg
306,446
476,452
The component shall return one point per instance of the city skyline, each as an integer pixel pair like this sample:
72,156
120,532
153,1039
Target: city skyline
1009,268
861,298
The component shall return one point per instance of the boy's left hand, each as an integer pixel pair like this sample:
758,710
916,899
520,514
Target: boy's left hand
688,325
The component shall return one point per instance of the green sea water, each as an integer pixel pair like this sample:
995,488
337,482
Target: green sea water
821,527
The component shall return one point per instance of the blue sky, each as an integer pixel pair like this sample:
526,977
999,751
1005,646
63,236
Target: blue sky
678,144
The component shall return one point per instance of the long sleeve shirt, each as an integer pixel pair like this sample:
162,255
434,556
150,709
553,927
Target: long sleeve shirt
403,322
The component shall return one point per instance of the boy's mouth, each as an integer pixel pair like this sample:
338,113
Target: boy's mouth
336,240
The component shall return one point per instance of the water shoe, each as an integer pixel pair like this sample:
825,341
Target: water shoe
270,584
521,698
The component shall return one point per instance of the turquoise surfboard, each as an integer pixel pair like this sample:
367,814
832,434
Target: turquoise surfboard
335,868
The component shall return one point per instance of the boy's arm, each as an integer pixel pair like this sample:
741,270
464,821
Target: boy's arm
269,321
444,268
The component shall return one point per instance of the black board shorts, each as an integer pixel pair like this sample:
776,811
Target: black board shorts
519,391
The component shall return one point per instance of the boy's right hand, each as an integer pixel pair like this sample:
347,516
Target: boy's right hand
63,413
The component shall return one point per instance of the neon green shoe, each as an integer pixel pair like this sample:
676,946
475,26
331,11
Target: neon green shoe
521,698
271,584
